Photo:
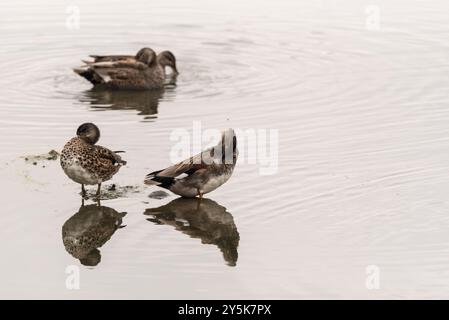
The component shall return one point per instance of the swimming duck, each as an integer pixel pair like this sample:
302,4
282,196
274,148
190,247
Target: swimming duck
143,71
86,163
203,173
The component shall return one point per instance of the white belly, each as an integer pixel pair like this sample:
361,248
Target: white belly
80,175
184,189
214,182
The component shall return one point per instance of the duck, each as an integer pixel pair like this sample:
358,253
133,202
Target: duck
87,163
201,173
143,71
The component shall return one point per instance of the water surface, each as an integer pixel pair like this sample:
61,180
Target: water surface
362,178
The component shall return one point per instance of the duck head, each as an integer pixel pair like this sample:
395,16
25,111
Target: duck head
229,146
147,56
88,132
167,59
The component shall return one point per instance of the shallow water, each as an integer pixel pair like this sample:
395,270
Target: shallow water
363,154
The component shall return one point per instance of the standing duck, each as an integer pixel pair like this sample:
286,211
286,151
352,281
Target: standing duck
203,173
143,71
86,163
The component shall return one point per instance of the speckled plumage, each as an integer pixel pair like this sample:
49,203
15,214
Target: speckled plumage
99,163
87,163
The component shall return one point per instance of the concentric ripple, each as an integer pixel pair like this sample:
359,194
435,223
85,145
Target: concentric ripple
362,117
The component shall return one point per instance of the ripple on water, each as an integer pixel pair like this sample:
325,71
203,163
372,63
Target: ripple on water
362,119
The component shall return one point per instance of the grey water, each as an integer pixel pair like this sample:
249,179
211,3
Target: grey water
357,207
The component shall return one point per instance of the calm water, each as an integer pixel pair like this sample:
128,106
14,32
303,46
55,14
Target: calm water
363,167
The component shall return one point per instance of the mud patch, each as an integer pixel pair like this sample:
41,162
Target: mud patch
158,195
52,155
112,191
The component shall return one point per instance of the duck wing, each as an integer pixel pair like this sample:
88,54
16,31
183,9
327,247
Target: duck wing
121,74
130,63
105,153
111,58
126,73
189,166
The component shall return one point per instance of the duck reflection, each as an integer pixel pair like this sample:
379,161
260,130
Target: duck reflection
201,218
145,102
88,229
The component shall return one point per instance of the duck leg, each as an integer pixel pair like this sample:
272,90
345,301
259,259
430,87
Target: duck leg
83,191
98,191
199,193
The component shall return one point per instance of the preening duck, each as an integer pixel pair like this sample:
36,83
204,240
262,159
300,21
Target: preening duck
86,163
202,173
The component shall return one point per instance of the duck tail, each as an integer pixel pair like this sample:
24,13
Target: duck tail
88,74
160,181
118,159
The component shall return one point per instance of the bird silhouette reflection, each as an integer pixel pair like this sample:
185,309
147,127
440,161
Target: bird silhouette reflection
88,229
201,218
146,102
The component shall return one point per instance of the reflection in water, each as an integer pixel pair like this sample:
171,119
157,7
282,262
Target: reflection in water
146,102
201,218
88,229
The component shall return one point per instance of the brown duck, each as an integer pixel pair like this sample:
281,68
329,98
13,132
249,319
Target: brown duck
86,163
144,71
